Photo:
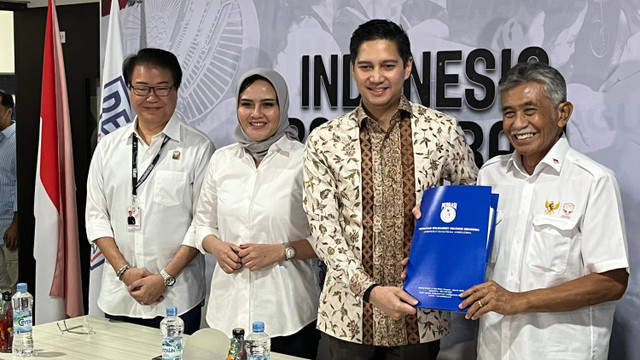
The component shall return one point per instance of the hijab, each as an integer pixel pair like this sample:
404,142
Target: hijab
258,149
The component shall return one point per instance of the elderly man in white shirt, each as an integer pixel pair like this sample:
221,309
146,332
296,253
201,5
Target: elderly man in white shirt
151,169
559,259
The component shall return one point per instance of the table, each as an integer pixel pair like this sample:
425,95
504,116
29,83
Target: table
119,340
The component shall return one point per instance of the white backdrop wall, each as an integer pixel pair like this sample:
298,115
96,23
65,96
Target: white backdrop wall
460,48
7,65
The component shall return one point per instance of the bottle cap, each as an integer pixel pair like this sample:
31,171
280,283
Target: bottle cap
21,287
6,295
258,326
237,332
172,310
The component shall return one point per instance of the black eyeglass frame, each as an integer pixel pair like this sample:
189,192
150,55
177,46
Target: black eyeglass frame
143,90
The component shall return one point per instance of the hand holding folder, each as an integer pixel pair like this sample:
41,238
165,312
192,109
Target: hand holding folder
451,244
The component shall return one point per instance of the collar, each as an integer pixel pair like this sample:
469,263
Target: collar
9,130
171,129
283,146
403,106
553,159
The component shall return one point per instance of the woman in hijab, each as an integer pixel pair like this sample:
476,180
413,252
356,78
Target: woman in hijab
250,217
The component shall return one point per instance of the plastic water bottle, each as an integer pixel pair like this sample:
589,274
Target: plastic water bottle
22,322
258,343
172,328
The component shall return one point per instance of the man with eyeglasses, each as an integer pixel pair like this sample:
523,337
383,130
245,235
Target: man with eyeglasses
152,170
8,196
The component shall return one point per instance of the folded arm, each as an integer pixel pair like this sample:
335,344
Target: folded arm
149,289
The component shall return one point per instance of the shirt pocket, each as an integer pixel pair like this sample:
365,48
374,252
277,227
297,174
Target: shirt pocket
169,187
550,243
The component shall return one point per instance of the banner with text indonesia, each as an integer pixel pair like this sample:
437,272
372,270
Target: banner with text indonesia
460,49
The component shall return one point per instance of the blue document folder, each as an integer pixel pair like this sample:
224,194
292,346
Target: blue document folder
451,244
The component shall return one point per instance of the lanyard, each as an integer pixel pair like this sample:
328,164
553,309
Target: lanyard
134,168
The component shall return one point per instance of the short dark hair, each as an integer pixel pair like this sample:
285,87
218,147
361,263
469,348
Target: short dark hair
6,99
152,56
379,29
553,84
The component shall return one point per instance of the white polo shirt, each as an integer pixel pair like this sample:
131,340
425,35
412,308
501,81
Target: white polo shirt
560,223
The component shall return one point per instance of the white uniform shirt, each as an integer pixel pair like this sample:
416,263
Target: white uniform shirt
560,223
239,204
167,200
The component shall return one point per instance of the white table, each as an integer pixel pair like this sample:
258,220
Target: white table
118,340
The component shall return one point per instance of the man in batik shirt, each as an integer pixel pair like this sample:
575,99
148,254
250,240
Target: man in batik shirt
364,173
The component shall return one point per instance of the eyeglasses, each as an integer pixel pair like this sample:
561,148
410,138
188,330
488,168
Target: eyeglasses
160,91
82,329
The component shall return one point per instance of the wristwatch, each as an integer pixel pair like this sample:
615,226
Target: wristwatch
168,279
289,251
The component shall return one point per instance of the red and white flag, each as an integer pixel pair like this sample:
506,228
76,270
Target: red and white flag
56,250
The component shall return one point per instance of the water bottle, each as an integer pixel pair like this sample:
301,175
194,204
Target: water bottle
22,303
172,328
258,343
6,323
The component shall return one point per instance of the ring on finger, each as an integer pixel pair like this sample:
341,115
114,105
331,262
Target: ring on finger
479,303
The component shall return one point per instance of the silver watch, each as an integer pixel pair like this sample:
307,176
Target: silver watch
289,251
168,279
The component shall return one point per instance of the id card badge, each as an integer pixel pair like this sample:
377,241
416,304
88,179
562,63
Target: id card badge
134,216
